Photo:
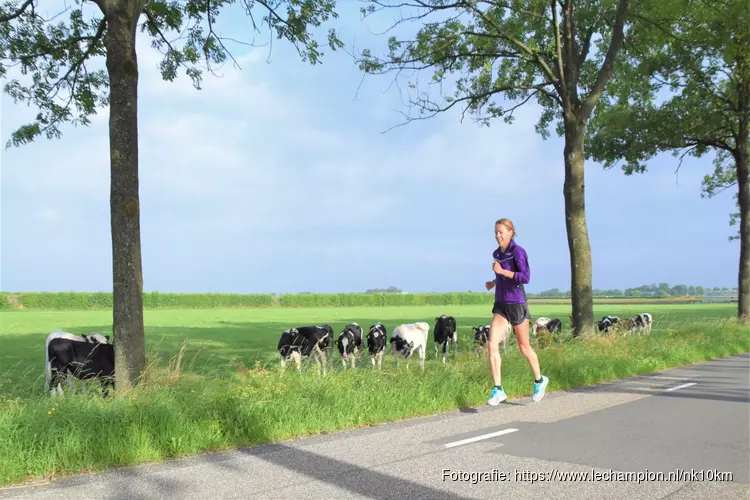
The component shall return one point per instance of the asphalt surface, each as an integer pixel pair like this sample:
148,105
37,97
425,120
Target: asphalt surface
691,422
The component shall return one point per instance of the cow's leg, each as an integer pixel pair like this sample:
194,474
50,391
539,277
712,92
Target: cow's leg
106,382
70,379
283,362
320,360
55,383
343,363
297,357
323,361
445,347
422,355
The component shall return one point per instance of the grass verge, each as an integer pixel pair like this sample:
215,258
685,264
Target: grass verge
176,412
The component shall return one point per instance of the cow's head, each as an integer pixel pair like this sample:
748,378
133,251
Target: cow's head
289,341
376,338
98,338
481,334
443,323
345,343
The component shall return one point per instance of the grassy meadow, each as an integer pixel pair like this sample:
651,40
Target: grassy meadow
213,379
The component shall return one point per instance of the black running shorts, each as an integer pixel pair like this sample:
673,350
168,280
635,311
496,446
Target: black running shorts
514,313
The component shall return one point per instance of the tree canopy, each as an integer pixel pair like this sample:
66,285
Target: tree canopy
55,53
683,86
559,55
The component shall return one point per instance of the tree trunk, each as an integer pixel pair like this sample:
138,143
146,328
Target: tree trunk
122,66
743,184
575,224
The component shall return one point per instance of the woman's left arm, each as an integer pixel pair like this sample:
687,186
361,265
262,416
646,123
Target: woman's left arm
523,275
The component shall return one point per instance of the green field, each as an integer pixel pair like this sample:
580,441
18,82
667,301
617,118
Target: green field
214,383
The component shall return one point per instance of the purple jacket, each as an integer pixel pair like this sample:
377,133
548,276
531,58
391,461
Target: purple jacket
511,290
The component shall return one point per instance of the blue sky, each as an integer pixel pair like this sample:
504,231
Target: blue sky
277,178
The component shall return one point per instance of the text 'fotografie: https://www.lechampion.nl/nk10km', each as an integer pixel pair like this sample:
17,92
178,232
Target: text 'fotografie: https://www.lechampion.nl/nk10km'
496,475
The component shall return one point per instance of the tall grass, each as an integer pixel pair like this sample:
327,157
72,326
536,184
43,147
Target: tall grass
192,399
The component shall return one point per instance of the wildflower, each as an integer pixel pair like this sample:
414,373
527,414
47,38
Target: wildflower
49,413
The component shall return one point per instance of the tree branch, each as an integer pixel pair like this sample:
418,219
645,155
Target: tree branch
18,13
551,78
609,61
434,109
586,44
558,53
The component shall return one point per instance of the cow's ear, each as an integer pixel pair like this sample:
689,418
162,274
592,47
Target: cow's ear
107,337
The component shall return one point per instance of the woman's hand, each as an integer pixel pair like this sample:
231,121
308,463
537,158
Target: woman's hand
498,268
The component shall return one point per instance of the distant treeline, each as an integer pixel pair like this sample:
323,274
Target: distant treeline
662,290
157,300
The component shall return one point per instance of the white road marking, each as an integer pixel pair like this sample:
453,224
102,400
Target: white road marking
681,386
479,438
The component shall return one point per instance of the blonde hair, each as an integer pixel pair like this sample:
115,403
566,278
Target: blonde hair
508,225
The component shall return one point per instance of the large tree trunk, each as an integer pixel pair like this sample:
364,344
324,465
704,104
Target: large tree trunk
743,184
122,66
575,223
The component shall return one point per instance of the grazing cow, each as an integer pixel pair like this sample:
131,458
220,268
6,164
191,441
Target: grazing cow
95,337
410,338
539,323
481,338
349,343
83,360
300,342
607,323
444,334
551,325
641,324
376,340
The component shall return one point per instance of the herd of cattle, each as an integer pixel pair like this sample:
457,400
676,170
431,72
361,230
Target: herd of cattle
411,338
87,357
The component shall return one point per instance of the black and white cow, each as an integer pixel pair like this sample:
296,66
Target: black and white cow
81,359
300,342
481,338
350,343
539,323
408,339
376,341
607,323
552,325
641,324
444,334
94,338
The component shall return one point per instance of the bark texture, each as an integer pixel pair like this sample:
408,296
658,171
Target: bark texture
122,66
577,229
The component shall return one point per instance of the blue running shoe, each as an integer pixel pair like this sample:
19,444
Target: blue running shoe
539,389
497,396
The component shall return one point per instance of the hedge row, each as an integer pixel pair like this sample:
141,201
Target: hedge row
156,300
